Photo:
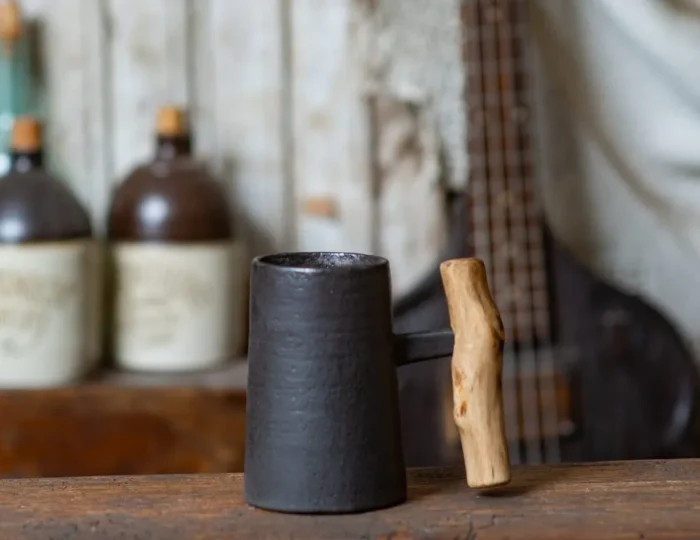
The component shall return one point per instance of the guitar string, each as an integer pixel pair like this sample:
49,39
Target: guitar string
513,182
481,193
504,244
548,365
489,169
540,308
522,392
519,253
509,243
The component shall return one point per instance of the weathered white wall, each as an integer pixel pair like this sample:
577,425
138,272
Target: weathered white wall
325,118
619,91
336,124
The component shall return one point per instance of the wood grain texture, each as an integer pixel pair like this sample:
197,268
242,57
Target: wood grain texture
147,55
415,76
477,365
413,222
620,501
73,78
416,59
239,91
109,428
279,96
331,124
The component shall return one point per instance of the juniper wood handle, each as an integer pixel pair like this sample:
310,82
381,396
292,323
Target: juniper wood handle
477,363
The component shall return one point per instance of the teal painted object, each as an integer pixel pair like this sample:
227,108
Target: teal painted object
17,88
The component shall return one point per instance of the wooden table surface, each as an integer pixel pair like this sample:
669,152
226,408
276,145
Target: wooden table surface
633,500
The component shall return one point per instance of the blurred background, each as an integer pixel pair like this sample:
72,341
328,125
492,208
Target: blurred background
557,141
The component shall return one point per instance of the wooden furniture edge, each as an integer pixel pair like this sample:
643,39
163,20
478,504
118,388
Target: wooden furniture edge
638,499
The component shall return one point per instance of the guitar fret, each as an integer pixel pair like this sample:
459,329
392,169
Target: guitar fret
482,253
515,126
480,216
493,70
478,189
538,281
535,241
500,237
542,323
522,321
481,163
514,104
521,279
536,284
518,219
482,244
536,259
518,232
477,35
540,301
518,236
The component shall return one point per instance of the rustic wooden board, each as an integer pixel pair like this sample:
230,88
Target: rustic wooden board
608,501
331,127
72,77
281,97
415,83
118,426
239,108
409,183
147,48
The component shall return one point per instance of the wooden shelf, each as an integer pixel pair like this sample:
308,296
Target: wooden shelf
231,376
126,423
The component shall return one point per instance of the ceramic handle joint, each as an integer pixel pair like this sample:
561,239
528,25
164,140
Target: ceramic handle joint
418,347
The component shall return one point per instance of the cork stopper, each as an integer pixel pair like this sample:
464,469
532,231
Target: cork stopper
10,21
171,121
26,135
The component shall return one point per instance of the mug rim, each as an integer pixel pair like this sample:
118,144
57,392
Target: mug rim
280,261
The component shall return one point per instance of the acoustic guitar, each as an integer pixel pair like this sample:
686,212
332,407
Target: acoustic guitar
591,372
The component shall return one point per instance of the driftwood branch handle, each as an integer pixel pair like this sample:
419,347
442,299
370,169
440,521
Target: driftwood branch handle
476,372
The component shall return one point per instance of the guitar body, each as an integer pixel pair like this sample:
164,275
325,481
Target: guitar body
590,372
634,384
629,381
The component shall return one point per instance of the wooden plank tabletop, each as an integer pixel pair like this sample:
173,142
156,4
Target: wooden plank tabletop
632,500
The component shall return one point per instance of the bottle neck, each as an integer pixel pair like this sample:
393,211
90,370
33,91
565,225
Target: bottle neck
168,148
26,161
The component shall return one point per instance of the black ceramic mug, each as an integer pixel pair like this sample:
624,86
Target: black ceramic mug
322,433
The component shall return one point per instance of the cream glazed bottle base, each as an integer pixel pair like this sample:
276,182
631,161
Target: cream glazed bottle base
179,307
49,317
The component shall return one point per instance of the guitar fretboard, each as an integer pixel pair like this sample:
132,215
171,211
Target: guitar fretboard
506,230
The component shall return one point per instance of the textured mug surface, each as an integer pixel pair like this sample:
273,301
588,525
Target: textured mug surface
323,428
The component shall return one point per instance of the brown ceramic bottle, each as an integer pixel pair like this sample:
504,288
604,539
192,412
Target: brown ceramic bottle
48,310
178,293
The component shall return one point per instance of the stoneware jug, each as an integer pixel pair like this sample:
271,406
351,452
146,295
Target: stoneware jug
323,430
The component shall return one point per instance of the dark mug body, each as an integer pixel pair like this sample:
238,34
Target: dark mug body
323,428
